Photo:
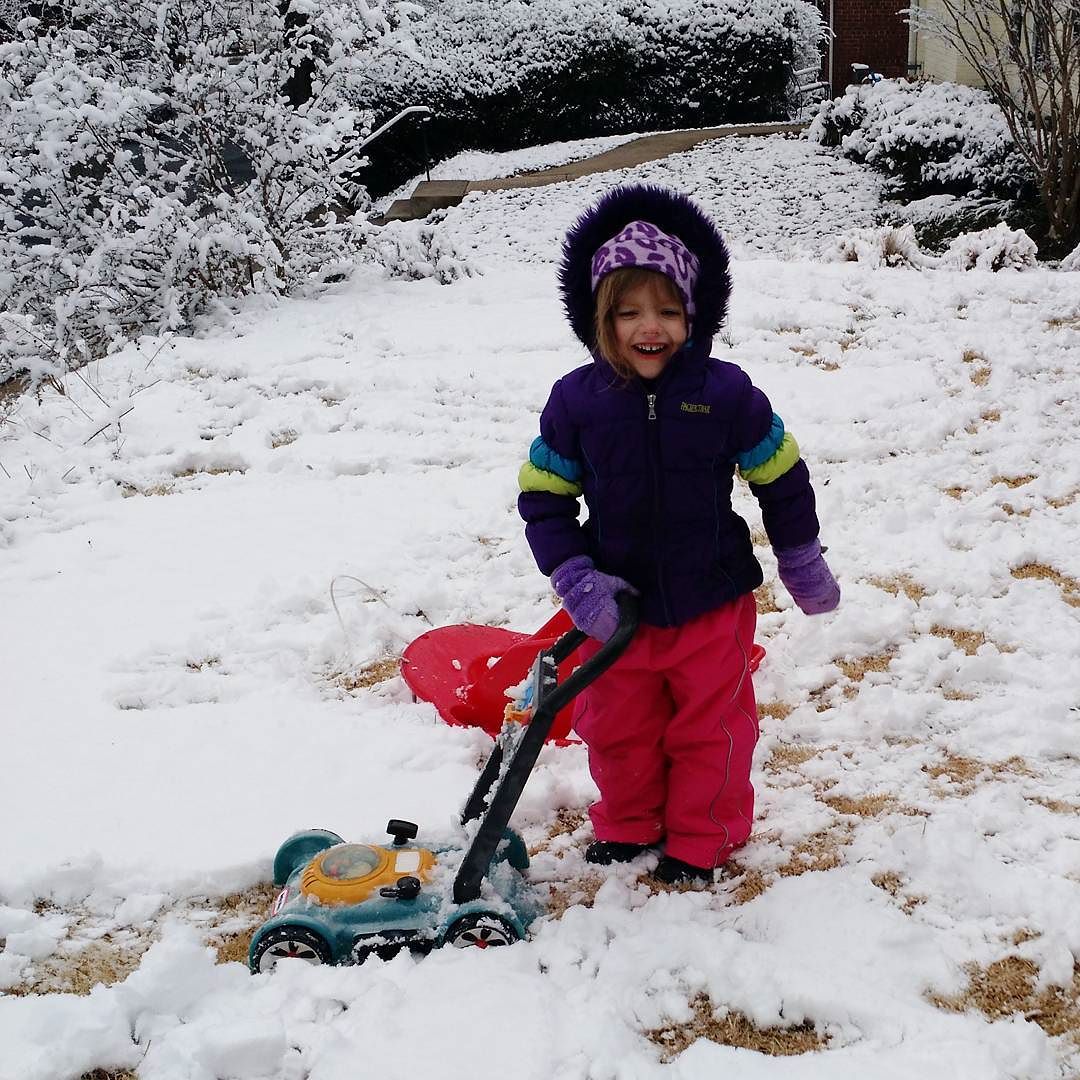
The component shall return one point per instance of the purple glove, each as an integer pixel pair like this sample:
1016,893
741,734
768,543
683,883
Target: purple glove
589,596
808,579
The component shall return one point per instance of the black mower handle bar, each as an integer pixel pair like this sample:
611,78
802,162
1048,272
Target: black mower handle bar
500,783
562,694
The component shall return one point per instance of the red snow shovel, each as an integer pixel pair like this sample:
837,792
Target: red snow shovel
465,670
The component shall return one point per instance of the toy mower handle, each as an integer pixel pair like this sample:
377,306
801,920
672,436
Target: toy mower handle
556,697
500,783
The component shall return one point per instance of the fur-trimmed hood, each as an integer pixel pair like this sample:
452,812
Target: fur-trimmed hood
677,216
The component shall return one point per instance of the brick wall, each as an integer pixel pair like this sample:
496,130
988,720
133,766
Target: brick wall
868,32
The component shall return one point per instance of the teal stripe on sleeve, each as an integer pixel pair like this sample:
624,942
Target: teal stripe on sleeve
543,457
783,460
764,449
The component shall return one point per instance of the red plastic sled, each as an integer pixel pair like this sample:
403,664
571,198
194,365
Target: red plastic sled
465,670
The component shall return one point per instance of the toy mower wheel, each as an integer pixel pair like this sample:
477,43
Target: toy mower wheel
481,931
289,942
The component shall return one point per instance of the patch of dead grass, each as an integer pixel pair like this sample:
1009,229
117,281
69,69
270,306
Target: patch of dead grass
110,1074
956,769
900,583
967,641
955,492
819,851
765,599
965,771
1069,586
734,1029
1064,500
1060,322
949,694
378,671
567,822
1007,988
857,668
1012,481
282,438
250,907
866,806
788,756
1057,806
106,961
980,376
749,883
129,490
891,882
579,892
80,966
775,710
209,470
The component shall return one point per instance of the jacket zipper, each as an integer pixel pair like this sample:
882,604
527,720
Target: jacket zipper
654,455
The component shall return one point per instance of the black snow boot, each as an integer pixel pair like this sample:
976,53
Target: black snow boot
673,871
605,852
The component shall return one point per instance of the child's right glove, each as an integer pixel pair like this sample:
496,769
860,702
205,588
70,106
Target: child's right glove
808,579
589,596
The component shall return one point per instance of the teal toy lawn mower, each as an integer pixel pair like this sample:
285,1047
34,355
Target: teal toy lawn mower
340,902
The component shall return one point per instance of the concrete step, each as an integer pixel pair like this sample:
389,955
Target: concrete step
440,193
427,196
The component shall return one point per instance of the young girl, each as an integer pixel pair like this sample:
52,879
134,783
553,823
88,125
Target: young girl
651,433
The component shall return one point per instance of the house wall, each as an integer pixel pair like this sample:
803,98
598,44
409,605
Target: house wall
868,32
936,60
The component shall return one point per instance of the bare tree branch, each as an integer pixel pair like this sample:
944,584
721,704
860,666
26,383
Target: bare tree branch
1027,54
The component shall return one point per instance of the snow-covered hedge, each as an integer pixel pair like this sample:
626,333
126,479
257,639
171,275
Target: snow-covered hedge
153,161
503,74
994,249
928,137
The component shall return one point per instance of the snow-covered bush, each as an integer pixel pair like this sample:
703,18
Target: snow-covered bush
884,245
415,250
159,154
503,74
999,248
1072,261
927,137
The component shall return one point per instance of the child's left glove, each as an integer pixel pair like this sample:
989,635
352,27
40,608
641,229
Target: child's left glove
808,579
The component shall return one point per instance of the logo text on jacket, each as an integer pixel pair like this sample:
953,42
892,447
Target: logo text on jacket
687,406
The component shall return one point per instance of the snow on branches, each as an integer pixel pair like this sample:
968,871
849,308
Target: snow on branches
158,155
927,137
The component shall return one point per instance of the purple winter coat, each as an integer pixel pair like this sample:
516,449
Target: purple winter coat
655,461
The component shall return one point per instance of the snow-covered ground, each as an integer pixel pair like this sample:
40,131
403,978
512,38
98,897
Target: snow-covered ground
181,690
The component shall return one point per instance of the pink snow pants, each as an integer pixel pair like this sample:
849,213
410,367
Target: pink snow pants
671,729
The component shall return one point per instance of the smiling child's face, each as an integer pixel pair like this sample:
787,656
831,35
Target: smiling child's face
650,326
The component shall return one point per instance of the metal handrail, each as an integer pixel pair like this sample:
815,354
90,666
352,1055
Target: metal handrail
390,123
425,114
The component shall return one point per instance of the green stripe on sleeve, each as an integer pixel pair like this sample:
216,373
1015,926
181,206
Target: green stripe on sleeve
768,471
533,479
